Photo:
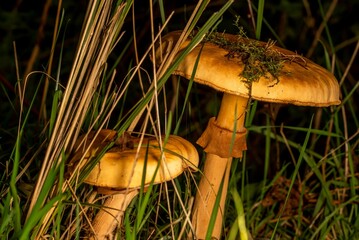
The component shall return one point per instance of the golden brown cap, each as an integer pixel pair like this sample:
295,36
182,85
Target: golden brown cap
300,82
118,168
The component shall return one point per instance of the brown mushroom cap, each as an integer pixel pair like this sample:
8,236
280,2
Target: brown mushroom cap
301,82
118,168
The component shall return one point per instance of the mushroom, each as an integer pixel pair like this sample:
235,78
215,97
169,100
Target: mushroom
228,63
120,171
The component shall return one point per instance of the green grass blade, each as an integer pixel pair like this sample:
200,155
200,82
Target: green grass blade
16,164
241,221
267,151
6,217
251,113
295,173
330,216
187,93
137,109
36,217
214,213
13,188
259,18
54,109
162,11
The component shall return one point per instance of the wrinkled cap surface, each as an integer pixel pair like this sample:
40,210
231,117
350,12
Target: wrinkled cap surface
300,81
121,167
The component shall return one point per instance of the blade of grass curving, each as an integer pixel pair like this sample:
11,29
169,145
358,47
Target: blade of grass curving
322,132
261,130
197,38
81,174
353,181
348,96
105,104
241,221
294,174
188,92
160,78
197,13
71,111
257,220
328,64
144,201
57,28
172,66
35,215
325,185
65,117
351,105
47,162
58,92
177,193
185,102
138,108
17,155
232,235
33,221
331,215
120,58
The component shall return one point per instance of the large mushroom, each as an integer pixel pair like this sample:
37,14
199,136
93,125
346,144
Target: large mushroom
122,170
242,68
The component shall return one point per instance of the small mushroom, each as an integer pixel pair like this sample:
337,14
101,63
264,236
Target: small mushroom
225,64
120,171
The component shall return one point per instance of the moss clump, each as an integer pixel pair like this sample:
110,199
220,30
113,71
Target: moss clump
259,59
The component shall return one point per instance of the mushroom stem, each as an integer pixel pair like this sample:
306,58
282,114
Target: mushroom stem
111,214
216,170
220,144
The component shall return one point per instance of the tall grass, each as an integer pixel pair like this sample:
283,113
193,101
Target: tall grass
86,103
312,193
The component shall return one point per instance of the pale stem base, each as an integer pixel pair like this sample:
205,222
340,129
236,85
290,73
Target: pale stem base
111,215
